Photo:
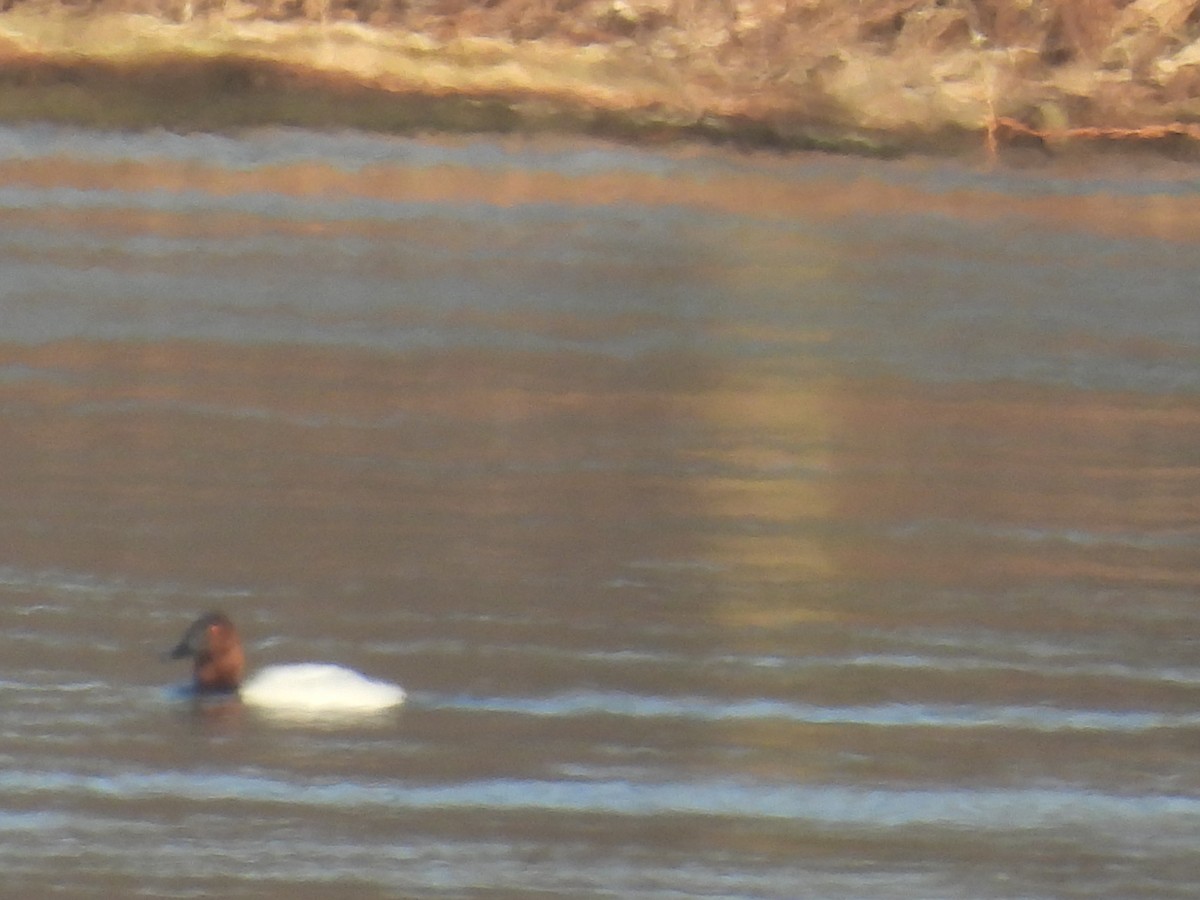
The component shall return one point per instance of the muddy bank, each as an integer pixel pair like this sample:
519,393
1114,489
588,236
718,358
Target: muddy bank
223,94
893,77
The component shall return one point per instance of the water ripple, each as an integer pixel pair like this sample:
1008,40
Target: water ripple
887,715
819,803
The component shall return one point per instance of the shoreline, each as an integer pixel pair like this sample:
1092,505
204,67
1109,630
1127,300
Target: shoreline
121,70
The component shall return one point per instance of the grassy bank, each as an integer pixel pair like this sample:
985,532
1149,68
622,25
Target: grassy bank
871,75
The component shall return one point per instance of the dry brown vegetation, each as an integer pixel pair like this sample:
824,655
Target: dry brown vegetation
908,71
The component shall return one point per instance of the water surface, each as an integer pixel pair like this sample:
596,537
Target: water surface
741,526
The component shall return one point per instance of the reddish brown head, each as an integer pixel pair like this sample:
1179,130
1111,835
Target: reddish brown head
213,643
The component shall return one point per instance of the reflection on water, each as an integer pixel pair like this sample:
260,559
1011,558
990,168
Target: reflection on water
735,523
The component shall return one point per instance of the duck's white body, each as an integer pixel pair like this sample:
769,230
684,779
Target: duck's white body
318,688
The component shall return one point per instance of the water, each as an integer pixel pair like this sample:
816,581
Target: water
741,527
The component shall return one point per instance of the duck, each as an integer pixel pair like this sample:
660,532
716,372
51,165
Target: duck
219,670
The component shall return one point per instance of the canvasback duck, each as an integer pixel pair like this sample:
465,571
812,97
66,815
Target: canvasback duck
219,667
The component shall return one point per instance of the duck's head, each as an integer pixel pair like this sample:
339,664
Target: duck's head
213,643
